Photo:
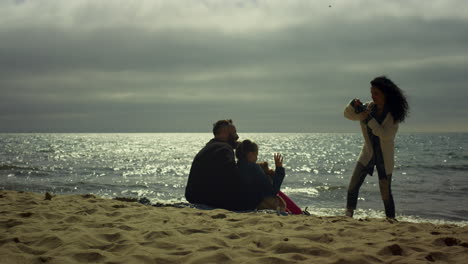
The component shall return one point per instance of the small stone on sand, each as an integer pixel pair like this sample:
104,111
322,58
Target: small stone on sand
48,196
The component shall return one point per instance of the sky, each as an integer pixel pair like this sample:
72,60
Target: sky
271,66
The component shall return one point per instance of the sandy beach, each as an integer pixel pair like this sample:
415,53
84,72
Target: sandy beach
89,229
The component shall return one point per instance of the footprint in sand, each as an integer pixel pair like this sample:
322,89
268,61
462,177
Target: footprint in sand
285,248
110,237
393,250
50,242
30,250
233,236
436,256
73,219
157,234
190,231
159,245
322,238
212,257
219,216
114,214
211,248
43,259
26,214
181,253
87,212
447,241
11,223
269,260
87,257
126,228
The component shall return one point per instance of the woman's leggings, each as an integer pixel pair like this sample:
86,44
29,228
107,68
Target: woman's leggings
385,182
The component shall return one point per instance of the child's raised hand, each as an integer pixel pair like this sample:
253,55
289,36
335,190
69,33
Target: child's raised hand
278,160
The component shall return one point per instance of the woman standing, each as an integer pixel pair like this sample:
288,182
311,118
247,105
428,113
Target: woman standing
379,124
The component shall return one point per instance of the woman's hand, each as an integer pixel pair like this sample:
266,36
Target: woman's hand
360,109
278,160
364,115
356,102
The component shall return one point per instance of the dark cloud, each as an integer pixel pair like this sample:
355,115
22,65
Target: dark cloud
294,77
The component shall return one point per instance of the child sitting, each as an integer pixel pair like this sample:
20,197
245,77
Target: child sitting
261,191
286,204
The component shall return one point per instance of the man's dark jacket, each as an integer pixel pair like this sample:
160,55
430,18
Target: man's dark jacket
213,178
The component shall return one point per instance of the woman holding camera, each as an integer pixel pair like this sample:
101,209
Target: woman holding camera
379,122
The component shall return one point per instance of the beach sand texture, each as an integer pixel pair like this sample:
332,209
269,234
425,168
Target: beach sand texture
89,229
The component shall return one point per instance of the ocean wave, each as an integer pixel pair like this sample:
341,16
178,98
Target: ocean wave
378,214
16,167
26,187
311,191
438,167
46,150
457,156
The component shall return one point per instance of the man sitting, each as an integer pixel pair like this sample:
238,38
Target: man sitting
213,178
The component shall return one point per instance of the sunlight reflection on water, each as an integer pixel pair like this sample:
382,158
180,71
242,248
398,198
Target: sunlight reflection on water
318,166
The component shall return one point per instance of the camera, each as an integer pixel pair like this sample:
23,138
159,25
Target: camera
358,106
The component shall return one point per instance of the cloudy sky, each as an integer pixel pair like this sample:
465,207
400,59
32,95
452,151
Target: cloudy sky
271,65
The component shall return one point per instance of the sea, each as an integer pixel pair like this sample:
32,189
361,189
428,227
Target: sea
430,180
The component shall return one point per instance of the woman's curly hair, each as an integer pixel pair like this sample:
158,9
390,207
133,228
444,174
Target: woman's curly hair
395,98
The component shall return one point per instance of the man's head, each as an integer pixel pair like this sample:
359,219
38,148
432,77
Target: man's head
224,130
